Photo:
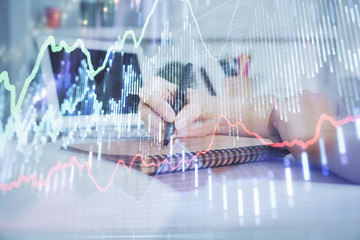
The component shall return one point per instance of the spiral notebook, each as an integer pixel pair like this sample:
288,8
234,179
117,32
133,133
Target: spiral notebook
186,154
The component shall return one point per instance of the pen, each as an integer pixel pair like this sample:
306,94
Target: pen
207,81
180,99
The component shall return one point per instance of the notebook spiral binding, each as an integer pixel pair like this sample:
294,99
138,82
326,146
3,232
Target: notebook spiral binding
211,158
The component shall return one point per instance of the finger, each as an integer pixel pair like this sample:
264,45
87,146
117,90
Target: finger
206,102
193,95
161,107
187,115
156,127
156,94
157,86
191,111
273,133
150,118
197,129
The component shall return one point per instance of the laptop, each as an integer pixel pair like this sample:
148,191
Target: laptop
92,106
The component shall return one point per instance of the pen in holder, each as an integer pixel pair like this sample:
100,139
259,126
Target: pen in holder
53,17
107,13
236,66
89,12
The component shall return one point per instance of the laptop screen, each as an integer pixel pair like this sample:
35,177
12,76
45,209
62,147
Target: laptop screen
114,90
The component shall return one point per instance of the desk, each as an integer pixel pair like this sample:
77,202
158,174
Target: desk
253,201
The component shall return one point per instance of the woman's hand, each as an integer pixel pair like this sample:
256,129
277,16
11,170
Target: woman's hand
154,105
197,118
303,126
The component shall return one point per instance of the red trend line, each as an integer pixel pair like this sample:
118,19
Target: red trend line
300,143
73,161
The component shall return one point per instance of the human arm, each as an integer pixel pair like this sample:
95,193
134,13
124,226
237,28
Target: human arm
199,117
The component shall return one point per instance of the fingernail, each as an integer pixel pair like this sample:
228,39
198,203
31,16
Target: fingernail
170,116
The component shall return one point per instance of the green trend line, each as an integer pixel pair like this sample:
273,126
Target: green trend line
50,41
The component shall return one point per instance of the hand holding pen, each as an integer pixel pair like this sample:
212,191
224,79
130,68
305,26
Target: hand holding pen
190,116
180,100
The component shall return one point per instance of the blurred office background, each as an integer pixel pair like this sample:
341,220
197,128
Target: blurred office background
253,24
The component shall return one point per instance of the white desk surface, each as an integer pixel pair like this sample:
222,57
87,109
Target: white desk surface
170,205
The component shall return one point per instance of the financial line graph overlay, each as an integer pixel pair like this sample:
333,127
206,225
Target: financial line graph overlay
50,41
73,161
